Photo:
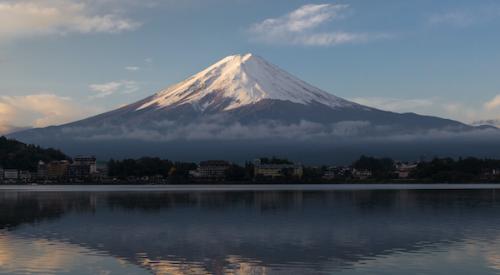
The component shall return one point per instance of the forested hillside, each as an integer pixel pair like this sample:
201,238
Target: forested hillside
15,154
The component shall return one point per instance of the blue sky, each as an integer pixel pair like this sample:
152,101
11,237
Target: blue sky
62,60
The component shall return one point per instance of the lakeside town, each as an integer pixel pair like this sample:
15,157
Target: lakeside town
87,170
30,164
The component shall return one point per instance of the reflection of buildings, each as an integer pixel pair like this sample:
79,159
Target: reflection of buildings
219,232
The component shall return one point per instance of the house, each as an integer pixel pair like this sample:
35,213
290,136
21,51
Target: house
277,170
335,172
361,174
330,173
10,174
211,169
404,169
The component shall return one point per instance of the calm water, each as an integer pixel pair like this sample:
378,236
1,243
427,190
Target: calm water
266,232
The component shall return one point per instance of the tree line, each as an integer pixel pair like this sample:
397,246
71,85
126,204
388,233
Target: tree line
17,155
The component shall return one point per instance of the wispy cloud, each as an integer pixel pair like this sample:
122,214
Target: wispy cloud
343,132
493,103
300,27
132,68
26,18
465,17
396,104
38,110
109,88
489,110
456,18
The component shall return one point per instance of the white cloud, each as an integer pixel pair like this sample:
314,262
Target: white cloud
396,104
299,27
26,18
493,104
38,110
304,18
132,68
465,112
106,89
456,18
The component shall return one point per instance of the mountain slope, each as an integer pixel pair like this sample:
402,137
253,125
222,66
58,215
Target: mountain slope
242,99
247,89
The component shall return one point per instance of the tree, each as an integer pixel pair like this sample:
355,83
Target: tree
381,168
236,173
17,155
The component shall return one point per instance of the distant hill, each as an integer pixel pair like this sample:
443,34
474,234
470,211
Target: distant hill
15,154
488,122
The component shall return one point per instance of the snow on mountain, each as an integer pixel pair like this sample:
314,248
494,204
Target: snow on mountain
241,80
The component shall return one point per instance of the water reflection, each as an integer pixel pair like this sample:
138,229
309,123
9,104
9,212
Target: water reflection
250,232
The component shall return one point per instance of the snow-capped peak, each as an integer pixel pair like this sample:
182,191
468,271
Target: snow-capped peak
240,80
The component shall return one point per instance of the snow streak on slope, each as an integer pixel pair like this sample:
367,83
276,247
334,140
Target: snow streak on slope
240,80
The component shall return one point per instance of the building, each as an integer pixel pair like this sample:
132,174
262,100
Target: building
330,173
490,174
278,170
83,168
361,174
42,171
11,174
86,161
211,169
58,169
334,172
495,172
1,174
404,170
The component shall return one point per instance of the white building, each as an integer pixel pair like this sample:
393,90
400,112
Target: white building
361,174
211,169
10,174
270,170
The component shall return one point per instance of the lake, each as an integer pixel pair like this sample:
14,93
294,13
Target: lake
72,230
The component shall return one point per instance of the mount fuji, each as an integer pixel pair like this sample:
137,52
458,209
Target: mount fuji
236,108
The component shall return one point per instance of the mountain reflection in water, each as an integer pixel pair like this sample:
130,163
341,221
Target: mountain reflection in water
250,232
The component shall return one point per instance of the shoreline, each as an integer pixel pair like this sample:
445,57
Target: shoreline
245,188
